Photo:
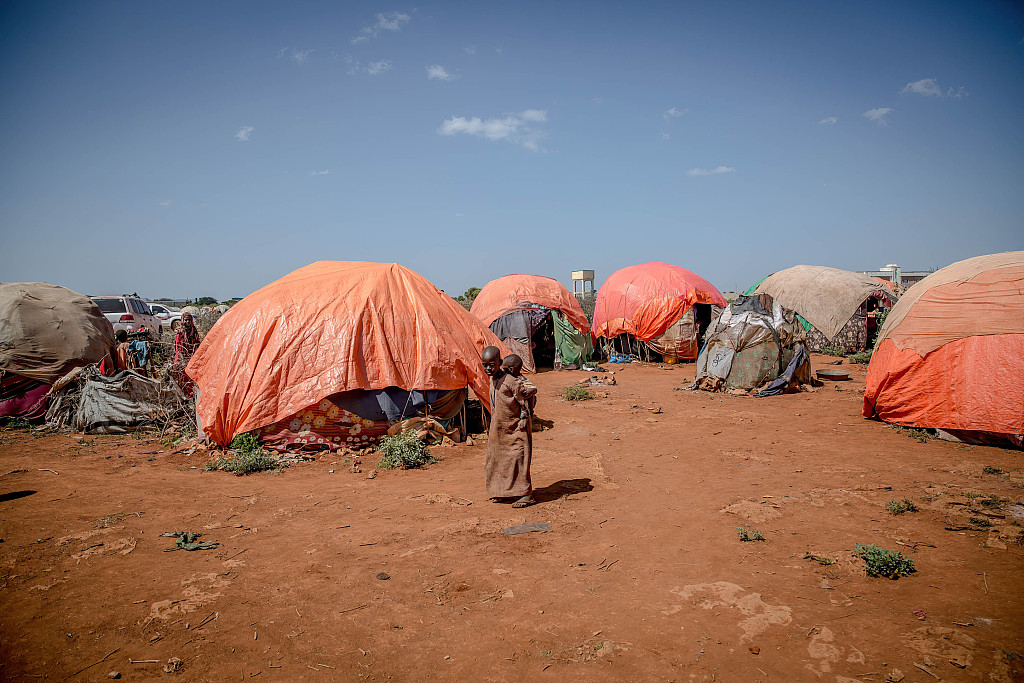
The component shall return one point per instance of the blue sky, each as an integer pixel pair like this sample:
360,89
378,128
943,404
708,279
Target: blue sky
190,149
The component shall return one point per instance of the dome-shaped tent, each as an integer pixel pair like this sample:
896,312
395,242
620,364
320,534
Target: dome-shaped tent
535,315
832,301
305,352
951,352
45,332
654,303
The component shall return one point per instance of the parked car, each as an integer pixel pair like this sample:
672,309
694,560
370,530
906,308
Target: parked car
129,313
170,315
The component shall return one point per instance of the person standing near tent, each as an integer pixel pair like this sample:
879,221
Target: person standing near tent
186,341
509,439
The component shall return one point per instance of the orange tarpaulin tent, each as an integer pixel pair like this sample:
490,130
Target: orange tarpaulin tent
646,299
333,326
504,295
951,352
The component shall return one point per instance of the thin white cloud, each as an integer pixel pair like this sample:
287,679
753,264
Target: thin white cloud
459,215
166,203
385,21
302,56
243,133
375,68
517,128
469,49
324,172
958,94
666,136
438,72
673,113
710,171
878,115
925,86
829,119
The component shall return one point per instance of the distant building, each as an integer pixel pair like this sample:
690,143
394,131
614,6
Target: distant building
896,275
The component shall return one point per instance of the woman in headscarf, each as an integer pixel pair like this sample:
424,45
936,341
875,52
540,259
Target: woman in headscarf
186,341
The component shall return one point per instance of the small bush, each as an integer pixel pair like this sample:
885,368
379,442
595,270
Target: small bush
250,457
898,507
989,469
577,393
861,358
14,423
403,451
882,562
833,351
980,521
749,534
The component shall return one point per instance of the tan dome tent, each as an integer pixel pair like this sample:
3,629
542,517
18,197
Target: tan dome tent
835,303
46,331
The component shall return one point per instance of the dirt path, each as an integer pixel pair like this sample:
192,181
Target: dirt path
642,576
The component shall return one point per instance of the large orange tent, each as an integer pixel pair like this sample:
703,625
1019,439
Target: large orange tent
331,327
951,352
649,301
507,306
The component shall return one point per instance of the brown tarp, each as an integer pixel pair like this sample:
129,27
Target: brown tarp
826,297
46,330
978,296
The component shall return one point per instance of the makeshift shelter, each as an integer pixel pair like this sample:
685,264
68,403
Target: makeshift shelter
91,402
537,318
45,332
665,307
832,303
334,354
755,344
950,355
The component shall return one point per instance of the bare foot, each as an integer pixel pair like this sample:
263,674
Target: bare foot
525,501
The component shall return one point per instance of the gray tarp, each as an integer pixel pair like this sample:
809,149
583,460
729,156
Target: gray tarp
826,297
46,330
92,403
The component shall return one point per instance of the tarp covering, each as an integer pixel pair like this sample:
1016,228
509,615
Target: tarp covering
505,294
981,295
91,402
644,300
826,297
573,344
333,326
951,352
754,341
46,330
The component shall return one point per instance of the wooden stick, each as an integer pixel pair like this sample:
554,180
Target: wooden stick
921,667
353,609
95,663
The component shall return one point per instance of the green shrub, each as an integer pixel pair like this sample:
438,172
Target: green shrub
577,393
250,457
989,469
14,423
860,358
749,534
898,507
882,562
833,351
980,521
403,451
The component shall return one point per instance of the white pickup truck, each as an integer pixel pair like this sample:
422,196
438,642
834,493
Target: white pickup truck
129,313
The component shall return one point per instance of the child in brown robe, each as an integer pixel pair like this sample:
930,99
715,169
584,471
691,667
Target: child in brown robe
509,440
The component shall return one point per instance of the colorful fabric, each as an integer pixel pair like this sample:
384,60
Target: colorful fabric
853,336
22,397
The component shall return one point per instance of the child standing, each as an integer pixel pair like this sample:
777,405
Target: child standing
509,440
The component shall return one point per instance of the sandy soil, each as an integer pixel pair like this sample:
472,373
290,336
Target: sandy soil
641,577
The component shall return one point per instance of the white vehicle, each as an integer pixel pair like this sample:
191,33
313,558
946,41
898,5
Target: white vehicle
170,315
129,313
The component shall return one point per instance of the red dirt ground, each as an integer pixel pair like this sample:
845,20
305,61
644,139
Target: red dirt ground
641,577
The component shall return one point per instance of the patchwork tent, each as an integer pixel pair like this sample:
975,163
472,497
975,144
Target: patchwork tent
664,306
755,344
535,316
336,352
833,303
46,331
950,355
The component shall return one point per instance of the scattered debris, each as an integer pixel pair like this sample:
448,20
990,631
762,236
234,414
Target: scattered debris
187,541
383,576
526,528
